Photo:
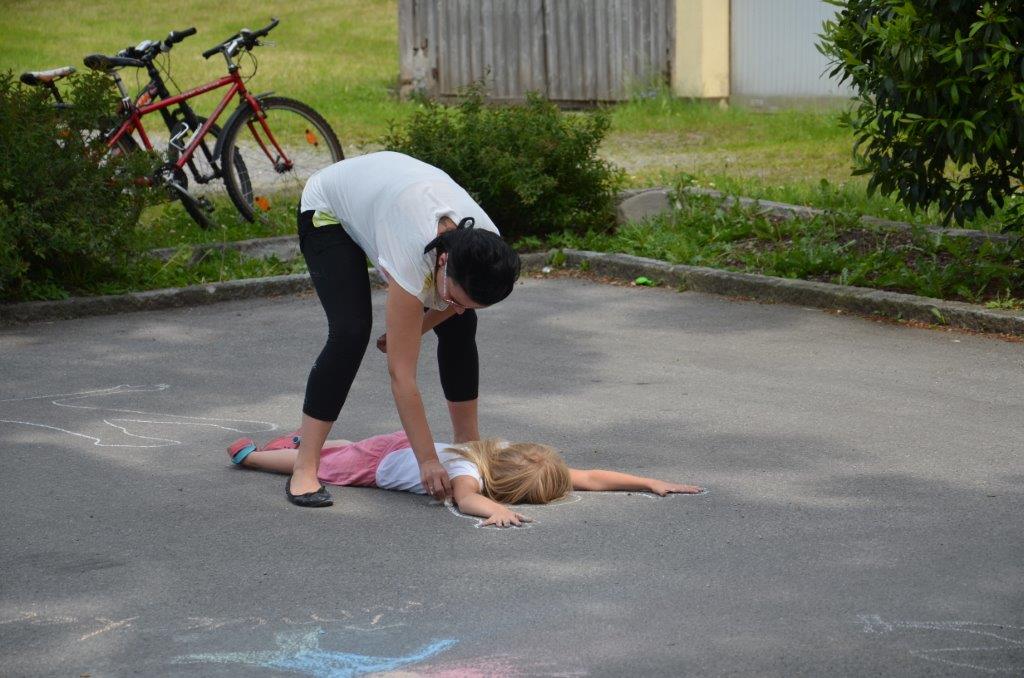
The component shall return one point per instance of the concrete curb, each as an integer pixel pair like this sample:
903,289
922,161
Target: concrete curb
195,295
800,292
78,307
622,266
639,204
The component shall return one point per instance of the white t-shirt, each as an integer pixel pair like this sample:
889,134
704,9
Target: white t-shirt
390,204
399,470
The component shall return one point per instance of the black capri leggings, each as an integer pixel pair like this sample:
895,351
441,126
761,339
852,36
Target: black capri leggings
337,267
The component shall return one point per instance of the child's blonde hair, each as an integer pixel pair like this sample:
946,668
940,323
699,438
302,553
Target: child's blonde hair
515,473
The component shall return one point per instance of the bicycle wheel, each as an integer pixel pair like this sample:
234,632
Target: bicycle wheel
276,165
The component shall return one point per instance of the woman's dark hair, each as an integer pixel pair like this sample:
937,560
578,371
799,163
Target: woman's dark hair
479,261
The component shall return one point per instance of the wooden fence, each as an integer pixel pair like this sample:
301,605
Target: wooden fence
572,51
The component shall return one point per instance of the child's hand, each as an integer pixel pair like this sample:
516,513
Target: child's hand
661,488
506,518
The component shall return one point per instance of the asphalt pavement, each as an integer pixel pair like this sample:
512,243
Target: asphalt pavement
863,515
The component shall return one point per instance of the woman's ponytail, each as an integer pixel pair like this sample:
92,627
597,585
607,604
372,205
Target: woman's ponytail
441,242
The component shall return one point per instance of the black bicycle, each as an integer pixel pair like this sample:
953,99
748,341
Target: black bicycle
183,125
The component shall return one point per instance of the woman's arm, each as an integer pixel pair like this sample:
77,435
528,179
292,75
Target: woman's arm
465,489
597,480
404,318
431,319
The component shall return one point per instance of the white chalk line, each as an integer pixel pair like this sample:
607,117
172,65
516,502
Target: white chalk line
176,419
158,387
875,624
480,521
927,656
869,620
97,442
120,388
111,625
570,499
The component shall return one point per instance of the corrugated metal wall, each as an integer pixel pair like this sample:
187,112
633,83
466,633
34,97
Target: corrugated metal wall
773,53
570,50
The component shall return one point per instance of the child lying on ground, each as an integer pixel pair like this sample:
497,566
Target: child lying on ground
485,474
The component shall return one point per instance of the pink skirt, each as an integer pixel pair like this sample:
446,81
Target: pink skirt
356,464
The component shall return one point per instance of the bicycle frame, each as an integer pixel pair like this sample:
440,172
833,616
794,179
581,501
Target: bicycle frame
236,87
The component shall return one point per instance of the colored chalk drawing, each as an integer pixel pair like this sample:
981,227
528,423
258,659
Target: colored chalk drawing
300,652
988,648
319,645
129,427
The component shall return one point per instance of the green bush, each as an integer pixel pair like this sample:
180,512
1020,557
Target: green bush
532,168
938,116
68,208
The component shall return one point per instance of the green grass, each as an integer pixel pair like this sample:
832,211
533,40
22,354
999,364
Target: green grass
181,271
796,155
168,225
340,57
835,248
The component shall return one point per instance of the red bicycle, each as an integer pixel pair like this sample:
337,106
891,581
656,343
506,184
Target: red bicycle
265,152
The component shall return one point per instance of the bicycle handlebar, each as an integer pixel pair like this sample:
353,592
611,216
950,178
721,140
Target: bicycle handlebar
147,50
243,38
101,62
174,37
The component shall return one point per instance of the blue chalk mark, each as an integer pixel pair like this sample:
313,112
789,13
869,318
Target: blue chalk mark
301,653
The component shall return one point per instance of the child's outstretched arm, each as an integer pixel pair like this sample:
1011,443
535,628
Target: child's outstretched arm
471,502
597,480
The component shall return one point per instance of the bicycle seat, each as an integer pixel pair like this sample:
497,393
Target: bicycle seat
43,77
106,64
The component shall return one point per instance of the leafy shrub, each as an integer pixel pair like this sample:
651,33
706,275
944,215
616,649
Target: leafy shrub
68,208
940,92
532,168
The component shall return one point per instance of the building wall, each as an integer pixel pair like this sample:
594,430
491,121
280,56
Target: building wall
773,50
701,65
609,50
572,51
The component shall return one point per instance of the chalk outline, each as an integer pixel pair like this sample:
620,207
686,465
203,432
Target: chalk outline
572,498
873,623
59,398
480,521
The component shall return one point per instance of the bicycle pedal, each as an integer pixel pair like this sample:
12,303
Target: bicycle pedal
205,204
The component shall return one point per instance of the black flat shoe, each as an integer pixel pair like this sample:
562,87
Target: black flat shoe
314,499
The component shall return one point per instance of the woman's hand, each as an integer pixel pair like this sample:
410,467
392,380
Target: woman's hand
505,517
661,488
435,480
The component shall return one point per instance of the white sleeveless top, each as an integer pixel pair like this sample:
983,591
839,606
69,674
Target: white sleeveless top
390,204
